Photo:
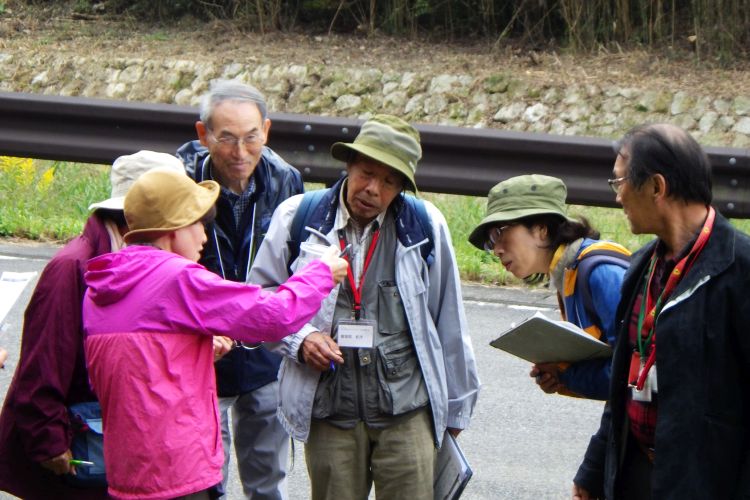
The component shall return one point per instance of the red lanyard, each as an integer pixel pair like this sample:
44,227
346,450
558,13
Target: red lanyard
646,336
357,291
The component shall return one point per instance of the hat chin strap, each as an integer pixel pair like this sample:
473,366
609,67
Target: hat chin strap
163,242
115,233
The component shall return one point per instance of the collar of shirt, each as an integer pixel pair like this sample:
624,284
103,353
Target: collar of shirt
663,267
360,237
238,202
231,195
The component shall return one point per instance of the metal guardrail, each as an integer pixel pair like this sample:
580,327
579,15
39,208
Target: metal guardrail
456,160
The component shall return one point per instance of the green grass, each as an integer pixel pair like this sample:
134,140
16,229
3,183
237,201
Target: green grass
462,214
45,200
157,37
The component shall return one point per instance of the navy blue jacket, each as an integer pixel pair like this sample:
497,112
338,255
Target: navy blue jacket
242,370
703,361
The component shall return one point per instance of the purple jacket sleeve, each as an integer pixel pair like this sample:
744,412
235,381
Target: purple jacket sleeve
51,358
51,372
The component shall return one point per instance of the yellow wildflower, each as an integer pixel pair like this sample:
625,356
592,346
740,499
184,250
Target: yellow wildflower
45,181
21,169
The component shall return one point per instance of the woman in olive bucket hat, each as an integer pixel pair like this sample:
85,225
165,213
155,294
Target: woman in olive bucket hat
150,314
527,228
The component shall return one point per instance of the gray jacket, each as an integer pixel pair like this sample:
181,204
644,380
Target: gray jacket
434,309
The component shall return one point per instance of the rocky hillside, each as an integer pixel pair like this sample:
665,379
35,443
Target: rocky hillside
467,85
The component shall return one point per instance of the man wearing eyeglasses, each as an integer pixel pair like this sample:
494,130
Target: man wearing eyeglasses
232,133
684,314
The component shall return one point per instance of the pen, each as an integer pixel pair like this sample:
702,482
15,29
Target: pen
345,251
82,462
332,366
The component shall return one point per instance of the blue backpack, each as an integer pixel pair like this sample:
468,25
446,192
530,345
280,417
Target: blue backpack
87,445
598,253
307,214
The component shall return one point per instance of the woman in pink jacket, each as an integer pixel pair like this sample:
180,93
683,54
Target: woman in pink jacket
150,314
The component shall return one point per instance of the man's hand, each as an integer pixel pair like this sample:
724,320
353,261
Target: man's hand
547,376
580,493
319,349
222,345
60,464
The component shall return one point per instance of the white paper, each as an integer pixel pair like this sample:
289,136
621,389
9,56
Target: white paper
11,287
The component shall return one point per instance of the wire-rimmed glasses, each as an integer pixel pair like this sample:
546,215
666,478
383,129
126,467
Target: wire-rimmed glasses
615,184
230,141
494,235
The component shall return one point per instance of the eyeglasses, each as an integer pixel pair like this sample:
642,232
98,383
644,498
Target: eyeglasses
230,141
494,235
615,184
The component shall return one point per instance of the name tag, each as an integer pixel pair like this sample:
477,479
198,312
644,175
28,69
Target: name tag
352,333
650,385
644,395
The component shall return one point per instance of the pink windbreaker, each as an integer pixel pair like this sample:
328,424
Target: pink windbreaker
148,319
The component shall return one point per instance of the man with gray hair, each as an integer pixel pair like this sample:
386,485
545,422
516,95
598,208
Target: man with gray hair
232,133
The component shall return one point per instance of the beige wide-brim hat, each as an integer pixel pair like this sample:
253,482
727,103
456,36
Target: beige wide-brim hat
389,140
127,168
520,197
162,201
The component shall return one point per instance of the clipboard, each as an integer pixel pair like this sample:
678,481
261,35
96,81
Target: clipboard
539,339
452,470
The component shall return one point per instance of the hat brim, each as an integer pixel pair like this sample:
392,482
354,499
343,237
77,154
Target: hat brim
205,199
479,235
342,151
116,203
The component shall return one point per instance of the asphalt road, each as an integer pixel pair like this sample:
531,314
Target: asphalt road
522,443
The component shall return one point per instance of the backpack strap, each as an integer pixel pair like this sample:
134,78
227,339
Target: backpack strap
301,218
425,224
592,256
308,210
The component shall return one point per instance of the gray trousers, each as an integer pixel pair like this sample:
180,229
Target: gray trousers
261,444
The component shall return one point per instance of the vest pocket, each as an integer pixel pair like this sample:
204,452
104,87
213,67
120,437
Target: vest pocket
335,396
391,317
402,386
325,394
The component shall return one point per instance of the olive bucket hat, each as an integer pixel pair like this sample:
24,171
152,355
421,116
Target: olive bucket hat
389,140
520,197
162,200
